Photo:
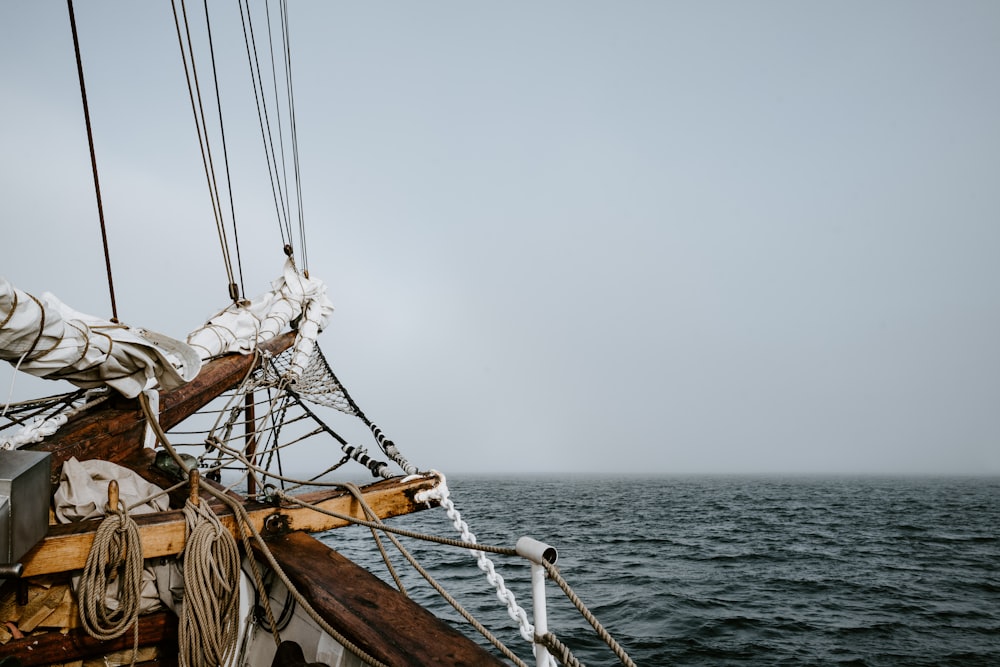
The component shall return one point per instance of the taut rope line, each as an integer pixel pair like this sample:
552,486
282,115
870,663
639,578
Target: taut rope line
93,160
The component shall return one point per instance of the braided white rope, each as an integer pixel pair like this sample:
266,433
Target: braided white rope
441,494
36,430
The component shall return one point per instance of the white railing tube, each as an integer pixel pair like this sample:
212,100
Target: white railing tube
536,552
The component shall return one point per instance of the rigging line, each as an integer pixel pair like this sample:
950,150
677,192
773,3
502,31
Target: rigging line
263,119
277,107
225,151
257,98
282,191
295,136
93,160
210,167
201,142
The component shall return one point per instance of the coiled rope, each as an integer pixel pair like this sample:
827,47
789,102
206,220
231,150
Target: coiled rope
209,619
243,520
115,558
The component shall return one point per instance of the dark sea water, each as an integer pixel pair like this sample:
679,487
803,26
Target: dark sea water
734,570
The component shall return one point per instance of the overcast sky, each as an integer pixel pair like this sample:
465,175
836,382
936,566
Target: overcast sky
566,236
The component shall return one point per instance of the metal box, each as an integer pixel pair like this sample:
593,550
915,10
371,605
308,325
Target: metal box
24,502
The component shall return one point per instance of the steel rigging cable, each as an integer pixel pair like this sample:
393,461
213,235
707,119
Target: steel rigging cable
93,160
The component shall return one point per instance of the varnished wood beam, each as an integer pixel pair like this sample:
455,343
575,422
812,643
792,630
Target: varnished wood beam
382,621
66,546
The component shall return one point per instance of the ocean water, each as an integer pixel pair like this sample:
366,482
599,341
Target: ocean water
733,570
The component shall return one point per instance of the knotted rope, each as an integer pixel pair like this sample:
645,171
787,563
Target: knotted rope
115,558
210,616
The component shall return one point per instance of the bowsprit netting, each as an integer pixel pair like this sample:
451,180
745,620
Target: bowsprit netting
318,384
249,428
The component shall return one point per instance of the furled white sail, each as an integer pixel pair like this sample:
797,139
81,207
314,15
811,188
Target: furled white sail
294,300
47,338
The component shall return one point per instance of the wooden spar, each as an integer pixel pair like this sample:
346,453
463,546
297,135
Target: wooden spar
66,546
386,624
112,433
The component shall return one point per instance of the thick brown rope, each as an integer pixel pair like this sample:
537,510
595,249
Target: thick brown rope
558,650
553,573
210,617
115,555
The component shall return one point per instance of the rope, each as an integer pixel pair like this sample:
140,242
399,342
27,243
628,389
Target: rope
514,610
194,93
356,492
263,119
558,650
553,574
117,550
225,151
93,159
209,619
243,520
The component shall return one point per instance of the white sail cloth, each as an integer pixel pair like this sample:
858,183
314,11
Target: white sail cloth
293,300
47,338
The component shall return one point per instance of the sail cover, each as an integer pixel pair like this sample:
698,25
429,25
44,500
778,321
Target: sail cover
294,300
47,338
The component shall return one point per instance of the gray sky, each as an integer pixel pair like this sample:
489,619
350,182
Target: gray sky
566,236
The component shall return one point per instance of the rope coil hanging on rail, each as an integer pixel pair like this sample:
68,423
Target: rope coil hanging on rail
210,616
115,561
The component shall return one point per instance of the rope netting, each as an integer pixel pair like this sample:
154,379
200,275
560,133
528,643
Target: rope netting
252,427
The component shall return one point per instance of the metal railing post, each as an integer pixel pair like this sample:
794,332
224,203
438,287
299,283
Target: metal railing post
536,552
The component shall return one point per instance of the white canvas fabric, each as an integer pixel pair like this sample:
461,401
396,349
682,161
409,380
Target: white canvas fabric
293,300
83,490
83,494
47,338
